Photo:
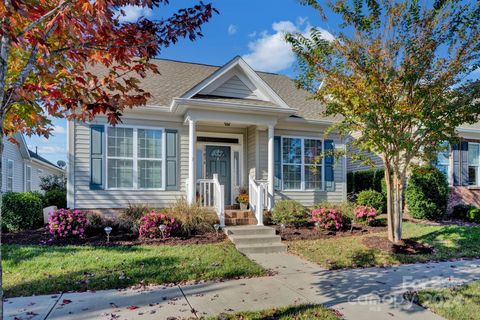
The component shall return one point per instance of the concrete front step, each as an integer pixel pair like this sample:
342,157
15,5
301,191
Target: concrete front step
255,239
262,248
249,230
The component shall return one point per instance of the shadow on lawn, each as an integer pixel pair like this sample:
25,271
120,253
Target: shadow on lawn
153,270
16,254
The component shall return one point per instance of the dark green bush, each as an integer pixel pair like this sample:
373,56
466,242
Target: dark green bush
460,211
426,194
22,210
372,198
95,224
365,180
474,215
53,182
289,212
56,197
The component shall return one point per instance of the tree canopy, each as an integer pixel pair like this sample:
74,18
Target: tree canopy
49,47
399,74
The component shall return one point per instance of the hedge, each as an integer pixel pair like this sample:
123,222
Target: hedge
22,210
365,180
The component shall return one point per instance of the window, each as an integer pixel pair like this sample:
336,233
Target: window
443,160
301,167
28,178
9,175
473,164
135,158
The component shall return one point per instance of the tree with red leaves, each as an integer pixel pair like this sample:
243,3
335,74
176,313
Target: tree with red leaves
49,47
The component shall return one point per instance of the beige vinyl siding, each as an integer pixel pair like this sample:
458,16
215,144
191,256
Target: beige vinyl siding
309,198
103,199
262,155
353,166
251,151
11,151
234,87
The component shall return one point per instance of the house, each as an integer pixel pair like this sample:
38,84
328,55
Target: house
206,132
22,168
460,163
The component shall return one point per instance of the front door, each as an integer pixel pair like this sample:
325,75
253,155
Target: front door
218,161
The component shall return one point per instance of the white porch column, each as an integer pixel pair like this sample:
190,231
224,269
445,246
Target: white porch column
192,139
271,165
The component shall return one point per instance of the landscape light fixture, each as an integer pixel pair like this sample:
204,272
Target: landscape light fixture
162,228
108,230
216,226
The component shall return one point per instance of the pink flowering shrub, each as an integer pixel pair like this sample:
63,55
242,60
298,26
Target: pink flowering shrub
365,214
66,223
327,218
150,223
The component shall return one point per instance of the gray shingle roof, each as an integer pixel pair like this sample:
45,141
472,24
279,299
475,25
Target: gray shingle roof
177,77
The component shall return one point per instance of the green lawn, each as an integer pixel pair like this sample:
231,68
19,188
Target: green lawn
349,252
301,312
458,303
50,269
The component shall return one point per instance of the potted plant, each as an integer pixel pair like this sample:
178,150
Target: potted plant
242,199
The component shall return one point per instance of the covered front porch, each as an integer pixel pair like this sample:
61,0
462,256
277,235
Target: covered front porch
222,153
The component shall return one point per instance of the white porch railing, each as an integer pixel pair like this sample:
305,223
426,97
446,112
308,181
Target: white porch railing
258,198
211,194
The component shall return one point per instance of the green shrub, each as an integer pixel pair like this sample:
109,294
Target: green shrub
193,219
56,197
426,194
289,212
474,215
129,219
460,211
365,180
22,210
373,199
53,182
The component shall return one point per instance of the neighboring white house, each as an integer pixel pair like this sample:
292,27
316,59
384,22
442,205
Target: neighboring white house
23,168
207,131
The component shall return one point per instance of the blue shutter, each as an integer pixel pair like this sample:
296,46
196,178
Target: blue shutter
97,150
277,163
329,162
457,167
171,159
464,166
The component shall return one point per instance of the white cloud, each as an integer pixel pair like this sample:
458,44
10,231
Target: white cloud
232,29
59,129
132,13
270,52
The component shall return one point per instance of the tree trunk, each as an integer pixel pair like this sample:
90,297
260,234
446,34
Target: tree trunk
390,209
1,201
398,205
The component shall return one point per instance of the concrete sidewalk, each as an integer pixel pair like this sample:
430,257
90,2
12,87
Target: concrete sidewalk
374,293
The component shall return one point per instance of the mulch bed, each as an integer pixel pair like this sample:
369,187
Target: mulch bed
406,246
42,237
311,233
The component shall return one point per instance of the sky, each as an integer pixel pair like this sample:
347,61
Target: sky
253,29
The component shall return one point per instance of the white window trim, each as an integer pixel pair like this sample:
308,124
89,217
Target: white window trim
303,164
135,157
7,174
449,164
477,183
28,180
